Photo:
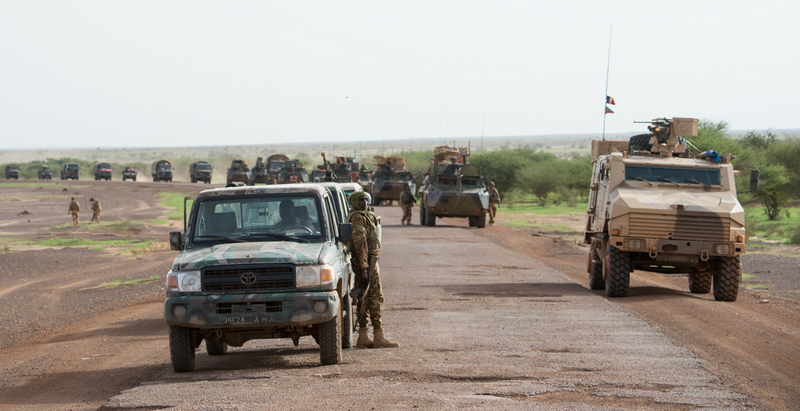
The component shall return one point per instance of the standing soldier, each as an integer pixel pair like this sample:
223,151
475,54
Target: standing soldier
96,208
74,209
494,199
366,249
407,201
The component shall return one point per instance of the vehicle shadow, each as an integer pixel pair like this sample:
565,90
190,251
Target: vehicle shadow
136,329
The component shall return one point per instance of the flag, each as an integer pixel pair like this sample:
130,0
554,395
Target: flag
610,100
608,111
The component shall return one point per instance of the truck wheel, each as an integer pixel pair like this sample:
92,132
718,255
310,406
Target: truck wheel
134,179
123,178
330,341
181,348
480,222
421,213
347,322
194,180
473,221
430,219
699,283
596,281
215,348
619,273
726,281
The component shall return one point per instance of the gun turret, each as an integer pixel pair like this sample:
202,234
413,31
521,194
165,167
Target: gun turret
666,132
329,174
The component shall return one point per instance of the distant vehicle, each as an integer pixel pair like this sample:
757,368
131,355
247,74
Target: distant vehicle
200,171
389,178
293,171
259,172
239,171
453,189
70,170
45,173
129,173
346,169
161,170
274,165
12,172
350,188
318,175
102,171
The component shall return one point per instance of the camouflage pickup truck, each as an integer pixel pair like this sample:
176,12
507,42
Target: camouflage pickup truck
256,263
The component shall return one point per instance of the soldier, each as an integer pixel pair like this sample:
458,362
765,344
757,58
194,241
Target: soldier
74,209
96,208
407,201
366,249
494,198
290,219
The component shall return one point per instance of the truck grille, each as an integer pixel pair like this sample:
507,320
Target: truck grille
683,227
248,278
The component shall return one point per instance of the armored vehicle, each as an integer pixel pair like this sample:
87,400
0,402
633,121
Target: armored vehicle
318,175
293,171
129,173
102,171
12,171
70,170
45,173
389,178
200,171
346,169
453,188
256,263
274,165
259,173
239,171
659,207
161,170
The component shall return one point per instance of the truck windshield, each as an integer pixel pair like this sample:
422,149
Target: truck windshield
273,218
73,166
203,166
681,175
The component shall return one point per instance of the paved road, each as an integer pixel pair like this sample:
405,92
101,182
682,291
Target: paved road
480,327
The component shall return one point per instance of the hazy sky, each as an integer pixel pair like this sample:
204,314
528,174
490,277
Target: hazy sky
179,73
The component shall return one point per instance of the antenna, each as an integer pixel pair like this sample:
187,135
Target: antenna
608,67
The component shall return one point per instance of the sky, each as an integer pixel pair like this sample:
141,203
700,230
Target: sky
190,73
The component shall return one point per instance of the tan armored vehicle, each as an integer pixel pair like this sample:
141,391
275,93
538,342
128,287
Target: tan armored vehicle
658,207
239,172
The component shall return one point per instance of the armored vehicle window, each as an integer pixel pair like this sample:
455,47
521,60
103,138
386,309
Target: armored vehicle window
681,175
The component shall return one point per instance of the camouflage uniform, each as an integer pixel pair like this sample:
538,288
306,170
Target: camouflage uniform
96,208
494,199
74,209
365,244
407,204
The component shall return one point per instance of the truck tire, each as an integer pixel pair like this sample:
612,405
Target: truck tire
181,348
700,283
480,222
726,281
430,219
194,180
421,213
134,179
330,341
215,348
596,280
473,221
347,322
619,273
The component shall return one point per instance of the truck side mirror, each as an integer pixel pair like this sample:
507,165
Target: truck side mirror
175,240
754,179
345,232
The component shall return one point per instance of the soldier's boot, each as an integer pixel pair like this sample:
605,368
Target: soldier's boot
363,338
381,342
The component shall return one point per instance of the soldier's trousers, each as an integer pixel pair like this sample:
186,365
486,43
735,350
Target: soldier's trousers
374,298
75,218
492,212
96,216
407,211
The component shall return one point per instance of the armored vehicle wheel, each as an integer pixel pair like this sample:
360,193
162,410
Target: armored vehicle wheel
347,322
619,273
480,222
181,348
123,178
699,283
170,180
421,213
726,281
430,219
376,201
473,221
330,341
215,348
134,179
596,281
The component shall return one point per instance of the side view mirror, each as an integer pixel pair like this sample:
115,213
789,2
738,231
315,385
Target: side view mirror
175,240
345,232
754,179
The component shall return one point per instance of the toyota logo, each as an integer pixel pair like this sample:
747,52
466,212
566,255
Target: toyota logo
248,278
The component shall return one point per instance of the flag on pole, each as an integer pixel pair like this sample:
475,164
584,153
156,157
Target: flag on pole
608,111
610,100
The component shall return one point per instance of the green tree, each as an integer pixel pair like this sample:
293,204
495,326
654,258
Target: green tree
774,191
542,178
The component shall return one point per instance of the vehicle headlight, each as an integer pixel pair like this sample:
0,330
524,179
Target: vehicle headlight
722,249
635,244
183,281
309,275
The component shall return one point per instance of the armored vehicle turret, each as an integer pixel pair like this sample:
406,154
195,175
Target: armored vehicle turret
453,188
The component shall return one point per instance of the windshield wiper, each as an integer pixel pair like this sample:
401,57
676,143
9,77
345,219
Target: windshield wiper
669,180
281,236
691,180
642,179
227,239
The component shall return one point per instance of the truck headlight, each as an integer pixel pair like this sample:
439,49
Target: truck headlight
722,249
309,275
183,281
635,244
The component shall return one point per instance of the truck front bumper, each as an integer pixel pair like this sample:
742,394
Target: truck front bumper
678,251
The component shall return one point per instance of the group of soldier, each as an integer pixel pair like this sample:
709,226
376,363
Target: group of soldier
407,202
75,209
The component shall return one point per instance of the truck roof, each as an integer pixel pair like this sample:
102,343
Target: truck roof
301,188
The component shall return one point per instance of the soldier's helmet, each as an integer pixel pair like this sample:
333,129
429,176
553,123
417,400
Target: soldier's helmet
91,199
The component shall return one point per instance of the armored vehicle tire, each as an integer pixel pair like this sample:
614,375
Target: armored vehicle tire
330,341
480,222
619,273
596,281
134,179
473,221
181,348
430,219
123,178
347,322
216,348
726,281
700,283
421,213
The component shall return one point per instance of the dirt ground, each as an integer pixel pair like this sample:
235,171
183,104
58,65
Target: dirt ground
59,350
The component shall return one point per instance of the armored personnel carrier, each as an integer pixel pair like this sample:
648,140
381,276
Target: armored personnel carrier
389,178
259,172
656,206
239,171
45,173
453,188
293,171
200,171
129,173
274,165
